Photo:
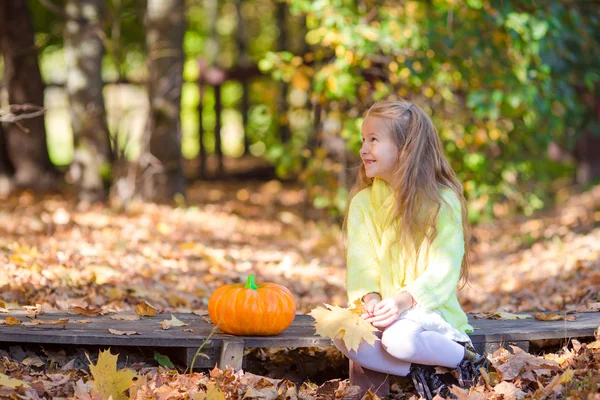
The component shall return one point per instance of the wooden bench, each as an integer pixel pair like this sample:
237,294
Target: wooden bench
228,350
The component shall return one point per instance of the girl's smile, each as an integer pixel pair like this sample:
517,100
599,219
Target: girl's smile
379,152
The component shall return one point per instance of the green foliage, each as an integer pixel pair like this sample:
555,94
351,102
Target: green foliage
162,360
500,80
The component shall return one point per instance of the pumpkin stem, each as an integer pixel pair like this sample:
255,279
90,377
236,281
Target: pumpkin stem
251,284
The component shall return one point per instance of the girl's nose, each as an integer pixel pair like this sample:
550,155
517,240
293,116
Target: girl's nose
363,149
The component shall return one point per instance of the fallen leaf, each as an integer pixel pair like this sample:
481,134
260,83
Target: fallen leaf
145,309
62,321
337,322
82,390
509,391
83,321
88,312
33,311
129,317
521,364
167,324
163,360
12,321
121,333
500,315
370,396
33,360
107,380
11,382
213,392
590,307
594,345
554,317
559,380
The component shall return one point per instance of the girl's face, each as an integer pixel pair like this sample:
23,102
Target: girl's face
379,153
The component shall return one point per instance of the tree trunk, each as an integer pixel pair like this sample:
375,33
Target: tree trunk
6,168
282,104
244,61
165,26
25,141
587,154
83,53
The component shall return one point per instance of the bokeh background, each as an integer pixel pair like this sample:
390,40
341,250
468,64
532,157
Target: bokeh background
147,97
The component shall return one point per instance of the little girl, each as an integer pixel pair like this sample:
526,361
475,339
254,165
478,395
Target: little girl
406,225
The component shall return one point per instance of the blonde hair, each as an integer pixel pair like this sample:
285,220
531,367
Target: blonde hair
421,170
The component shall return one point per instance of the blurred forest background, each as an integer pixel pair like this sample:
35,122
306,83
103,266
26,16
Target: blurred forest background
127,98
154,150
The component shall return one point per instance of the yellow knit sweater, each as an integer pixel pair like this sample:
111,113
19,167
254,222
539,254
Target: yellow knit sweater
377,263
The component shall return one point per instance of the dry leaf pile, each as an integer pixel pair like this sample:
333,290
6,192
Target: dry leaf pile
89,260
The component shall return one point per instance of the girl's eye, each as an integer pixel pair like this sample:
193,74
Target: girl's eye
374,140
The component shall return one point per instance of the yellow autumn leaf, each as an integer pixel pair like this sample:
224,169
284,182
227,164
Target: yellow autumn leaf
213,392
337,322
501,315
107,380
11,382
145,309
540,316
167,324
558,380
12,321
357,307
121,333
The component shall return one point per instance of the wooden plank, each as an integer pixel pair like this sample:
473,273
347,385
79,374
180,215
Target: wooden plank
487,337
488,330
232,354
208,358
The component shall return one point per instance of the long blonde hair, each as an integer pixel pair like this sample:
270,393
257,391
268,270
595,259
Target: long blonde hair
421,170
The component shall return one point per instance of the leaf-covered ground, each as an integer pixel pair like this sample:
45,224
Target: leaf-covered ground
62,255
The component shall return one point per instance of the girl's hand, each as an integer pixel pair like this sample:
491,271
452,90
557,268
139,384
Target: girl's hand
385,312
388,310
369,302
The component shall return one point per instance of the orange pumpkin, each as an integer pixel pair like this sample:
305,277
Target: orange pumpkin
252,310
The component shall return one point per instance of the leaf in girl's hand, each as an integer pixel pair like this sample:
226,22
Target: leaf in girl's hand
341,323
357,307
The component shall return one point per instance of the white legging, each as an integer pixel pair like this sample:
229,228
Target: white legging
402,343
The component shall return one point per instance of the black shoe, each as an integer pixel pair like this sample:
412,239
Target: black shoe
418,374
468,368
428,383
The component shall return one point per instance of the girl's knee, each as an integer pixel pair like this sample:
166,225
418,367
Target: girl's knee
399,346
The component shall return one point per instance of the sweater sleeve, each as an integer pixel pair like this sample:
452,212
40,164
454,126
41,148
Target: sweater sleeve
438,282
362,271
